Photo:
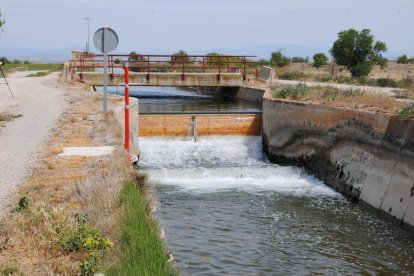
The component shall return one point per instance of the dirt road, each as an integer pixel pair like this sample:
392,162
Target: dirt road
40,102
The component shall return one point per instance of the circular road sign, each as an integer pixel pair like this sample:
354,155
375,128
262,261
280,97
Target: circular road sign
105,40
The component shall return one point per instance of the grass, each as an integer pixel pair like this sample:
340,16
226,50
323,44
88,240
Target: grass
407,111
328,95
142,251
40,74
35,67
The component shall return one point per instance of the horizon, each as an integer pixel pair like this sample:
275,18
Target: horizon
298,28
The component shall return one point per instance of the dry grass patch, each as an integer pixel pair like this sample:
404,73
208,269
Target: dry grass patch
62,189
332,96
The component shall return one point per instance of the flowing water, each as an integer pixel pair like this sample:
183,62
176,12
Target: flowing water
158,100
226,210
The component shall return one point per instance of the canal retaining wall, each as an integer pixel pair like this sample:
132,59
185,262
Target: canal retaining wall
367,156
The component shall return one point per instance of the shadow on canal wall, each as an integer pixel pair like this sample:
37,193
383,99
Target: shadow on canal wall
368,157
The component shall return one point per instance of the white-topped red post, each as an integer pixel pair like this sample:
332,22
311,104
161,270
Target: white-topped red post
126,145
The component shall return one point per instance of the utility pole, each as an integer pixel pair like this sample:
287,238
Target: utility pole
87,44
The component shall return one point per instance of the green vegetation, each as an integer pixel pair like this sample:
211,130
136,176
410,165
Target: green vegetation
35,67
180,57
300,60
294,75
6,270
40,74
380,82
319,60
408,111
404,59
23,204
85,239
303,92
277,59
358,52
263,62
1,20
136,60
216,59
291,92
142,252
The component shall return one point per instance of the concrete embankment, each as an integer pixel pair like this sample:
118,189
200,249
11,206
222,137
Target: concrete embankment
366,156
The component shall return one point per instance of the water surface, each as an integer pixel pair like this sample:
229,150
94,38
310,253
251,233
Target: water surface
226,210
160,100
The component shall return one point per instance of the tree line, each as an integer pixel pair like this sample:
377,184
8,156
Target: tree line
355,50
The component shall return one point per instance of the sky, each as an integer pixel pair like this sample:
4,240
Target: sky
299,27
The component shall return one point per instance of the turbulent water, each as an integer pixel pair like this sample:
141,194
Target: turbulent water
226,210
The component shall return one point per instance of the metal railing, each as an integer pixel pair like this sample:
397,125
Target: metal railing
182,64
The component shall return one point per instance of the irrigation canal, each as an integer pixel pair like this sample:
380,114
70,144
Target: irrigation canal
226,210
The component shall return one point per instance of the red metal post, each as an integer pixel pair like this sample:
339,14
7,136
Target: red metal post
244,68
148,68
126,145
228,64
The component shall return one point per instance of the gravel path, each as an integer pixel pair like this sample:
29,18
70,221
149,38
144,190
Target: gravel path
40,102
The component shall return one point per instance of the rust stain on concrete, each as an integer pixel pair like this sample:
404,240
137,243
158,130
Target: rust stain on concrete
205,124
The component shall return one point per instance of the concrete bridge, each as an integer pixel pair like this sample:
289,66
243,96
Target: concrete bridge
163,70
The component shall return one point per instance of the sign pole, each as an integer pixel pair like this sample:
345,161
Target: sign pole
126,145
105,79
105,40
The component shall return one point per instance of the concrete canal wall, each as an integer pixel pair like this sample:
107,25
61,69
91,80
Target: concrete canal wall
369,157
199,124
243,93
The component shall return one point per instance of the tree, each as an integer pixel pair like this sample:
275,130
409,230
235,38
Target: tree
135,59
403,59
319,60
278,59
180,57
1,20
358,52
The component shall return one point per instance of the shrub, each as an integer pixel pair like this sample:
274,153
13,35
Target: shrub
291,92
23,204
406,82
295,75
407,111
319,60
278,59
87,239
387,82
300,60
402,59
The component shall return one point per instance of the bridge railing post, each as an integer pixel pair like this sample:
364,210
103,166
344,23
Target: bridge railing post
228,65
244,68
148,68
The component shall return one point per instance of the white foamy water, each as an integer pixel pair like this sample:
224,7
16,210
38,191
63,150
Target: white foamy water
223,163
